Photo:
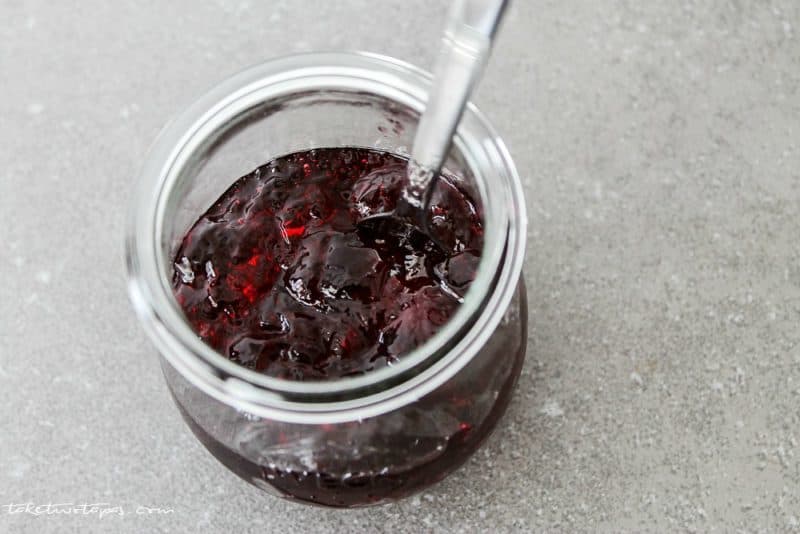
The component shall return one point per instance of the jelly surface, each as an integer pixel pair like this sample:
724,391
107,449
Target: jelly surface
283,276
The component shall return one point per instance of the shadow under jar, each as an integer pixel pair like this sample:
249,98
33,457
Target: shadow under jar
351,441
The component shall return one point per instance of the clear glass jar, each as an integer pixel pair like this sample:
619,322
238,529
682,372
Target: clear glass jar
358,440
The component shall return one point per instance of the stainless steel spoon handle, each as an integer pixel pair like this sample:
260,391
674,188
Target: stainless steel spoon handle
466,44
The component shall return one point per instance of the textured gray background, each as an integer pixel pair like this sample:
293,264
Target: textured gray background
659,144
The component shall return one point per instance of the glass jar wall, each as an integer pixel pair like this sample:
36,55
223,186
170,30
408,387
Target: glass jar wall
352,441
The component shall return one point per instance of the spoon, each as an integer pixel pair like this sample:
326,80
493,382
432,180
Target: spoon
466,44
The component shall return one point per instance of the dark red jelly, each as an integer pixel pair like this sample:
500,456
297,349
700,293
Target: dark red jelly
282,276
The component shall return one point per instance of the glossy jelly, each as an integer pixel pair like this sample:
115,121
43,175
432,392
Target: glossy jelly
282,276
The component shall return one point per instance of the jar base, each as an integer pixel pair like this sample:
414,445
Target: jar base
362,489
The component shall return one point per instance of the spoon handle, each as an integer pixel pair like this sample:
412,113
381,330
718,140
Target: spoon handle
467,41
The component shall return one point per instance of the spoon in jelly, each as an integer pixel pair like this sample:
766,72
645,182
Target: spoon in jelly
466,44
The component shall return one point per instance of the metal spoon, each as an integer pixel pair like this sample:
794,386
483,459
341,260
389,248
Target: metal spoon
466,44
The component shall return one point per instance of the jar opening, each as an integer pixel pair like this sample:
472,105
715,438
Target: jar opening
190,147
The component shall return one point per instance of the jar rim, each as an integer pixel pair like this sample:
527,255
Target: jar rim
347,398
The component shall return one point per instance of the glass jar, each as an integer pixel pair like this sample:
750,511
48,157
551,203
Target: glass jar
358,440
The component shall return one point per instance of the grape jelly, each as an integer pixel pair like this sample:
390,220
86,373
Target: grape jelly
280,277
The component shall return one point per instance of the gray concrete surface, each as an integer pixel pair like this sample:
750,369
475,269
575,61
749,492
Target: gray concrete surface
659,144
